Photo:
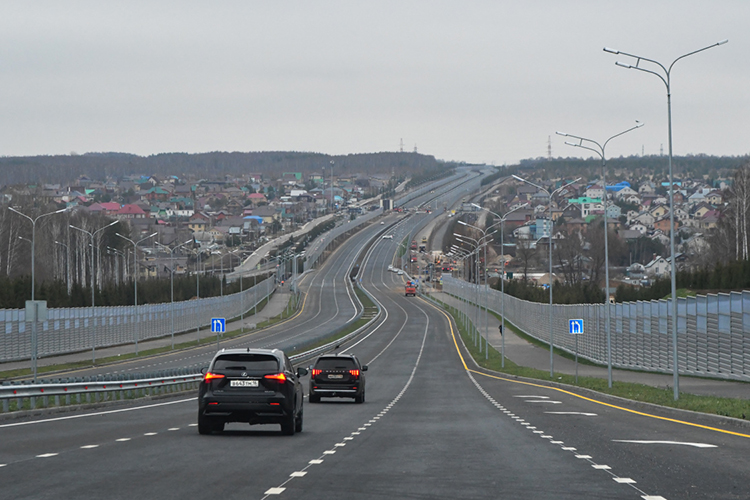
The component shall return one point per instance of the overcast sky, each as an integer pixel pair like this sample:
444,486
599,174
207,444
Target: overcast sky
476,81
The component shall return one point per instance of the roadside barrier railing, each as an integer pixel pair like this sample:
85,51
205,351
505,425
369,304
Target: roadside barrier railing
713,330
68,330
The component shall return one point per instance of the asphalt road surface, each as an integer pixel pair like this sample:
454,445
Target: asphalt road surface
433,426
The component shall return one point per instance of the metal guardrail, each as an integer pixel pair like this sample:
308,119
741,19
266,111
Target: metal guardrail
713,330
81,390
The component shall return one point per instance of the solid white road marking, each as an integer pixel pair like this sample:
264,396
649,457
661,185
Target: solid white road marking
695,445
572,413
624,480
544,401
47,455
540,397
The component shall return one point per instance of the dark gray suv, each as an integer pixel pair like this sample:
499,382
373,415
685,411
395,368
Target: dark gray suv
338,376
256,386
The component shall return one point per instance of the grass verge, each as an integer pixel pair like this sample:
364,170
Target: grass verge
736,408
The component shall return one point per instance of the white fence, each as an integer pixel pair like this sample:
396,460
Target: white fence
713,330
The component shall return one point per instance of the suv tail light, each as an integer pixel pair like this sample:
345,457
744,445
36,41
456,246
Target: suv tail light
279,377
316,372
354,373
208,377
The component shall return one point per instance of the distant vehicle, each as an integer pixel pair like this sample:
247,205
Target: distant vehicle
410,289
337,376
413,244
400,272
387,236
256,386
383,222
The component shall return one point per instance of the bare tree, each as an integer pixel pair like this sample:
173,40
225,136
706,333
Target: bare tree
735,226
526,252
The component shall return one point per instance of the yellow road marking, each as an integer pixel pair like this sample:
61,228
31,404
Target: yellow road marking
643,414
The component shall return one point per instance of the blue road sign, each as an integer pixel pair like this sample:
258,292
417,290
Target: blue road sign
218,325
575,326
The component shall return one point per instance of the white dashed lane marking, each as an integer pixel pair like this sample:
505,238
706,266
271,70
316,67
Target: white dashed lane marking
47,455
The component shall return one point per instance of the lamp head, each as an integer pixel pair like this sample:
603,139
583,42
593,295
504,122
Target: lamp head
562,133
722,42
611,51
623,65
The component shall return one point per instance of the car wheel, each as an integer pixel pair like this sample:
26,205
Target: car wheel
359,398
289,425
204,425
298,423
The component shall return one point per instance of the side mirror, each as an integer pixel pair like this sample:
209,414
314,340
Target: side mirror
364,368
301,372
204,370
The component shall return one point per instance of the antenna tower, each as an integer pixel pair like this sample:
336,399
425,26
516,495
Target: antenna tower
549,147
415,148
401,148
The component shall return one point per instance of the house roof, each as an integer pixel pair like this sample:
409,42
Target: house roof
131,210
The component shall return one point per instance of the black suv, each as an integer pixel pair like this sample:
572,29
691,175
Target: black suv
257,386
338,376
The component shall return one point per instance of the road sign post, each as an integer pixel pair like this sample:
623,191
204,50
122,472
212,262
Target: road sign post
218,325
575,327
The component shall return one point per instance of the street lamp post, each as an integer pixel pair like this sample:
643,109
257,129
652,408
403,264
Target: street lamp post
93,284
502,275
135,285
471,241
483,242
665,77
551,227
600,150
171,280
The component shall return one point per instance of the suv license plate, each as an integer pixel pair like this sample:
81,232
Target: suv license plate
243,383
335,376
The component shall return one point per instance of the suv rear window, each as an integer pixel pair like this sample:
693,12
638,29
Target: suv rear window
335,364
247,362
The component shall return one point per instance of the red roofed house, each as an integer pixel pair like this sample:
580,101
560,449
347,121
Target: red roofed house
130,212
257,198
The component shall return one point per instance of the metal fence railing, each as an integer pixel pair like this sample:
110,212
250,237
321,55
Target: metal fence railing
713,330
70,329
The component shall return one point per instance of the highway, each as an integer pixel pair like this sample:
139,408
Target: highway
433,426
